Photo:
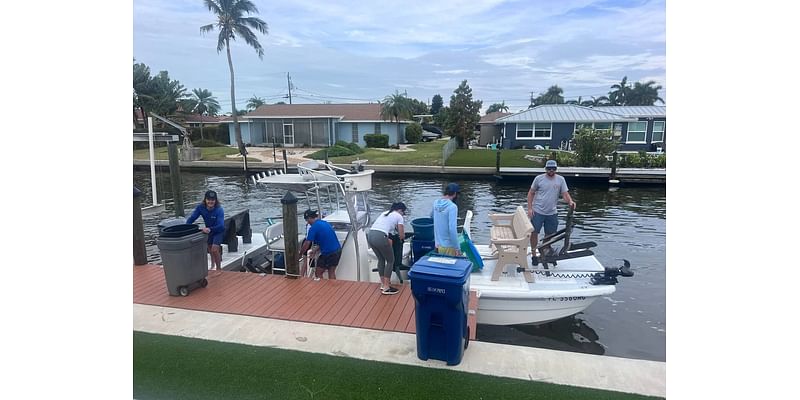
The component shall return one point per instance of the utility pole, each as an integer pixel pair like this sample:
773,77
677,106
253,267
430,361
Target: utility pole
289,83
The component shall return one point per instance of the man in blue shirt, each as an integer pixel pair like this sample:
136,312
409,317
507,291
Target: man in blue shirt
444,214
214,219
322,234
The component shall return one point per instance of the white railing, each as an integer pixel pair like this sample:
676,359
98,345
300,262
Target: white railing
449,149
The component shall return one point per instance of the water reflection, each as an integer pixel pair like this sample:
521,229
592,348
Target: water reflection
627,223
566,334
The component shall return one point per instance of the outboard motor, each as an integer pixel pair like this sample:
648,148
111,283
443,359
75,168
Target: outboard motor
609,277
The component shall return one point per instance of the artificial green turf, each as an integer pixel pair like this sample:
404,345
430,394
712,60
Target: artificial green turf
173,367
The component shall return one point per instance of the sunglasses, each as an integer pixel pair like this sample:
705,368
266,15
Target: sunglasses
550,169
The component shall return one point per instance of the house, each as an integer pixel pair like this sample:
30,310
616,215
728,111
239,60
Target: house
490,133
637,128
194,120
315,125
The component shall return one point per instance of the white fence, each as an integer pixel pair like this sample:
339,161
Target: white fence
449,149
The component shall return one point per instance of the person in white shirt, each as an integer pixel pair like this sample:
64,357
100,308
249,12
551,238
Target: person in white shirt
378,239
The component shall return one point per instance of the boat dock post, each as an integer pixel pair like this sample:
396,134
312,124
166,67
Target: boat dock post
139,250
289,203
175,178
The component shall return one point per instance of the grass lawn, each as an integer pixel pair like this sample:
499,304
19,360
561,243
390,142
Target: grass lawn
173,367
208,154
429,153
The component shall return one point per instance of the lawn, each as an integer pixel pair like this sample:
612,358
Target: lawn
429,153
207,154
174,367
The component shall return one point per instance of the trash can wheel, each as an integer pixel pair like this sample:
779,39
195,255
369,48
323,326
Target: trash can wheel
183,290
204,282
466,342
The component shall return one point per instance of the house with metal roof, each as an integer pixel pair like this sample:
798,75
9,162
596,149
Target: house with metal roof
315,125
552,126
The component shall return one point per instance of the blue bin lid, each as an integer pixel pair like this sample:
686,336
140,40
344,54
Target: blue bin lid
451,269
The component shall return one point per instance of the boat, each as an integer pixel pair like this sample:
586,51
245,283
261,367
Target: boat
568,281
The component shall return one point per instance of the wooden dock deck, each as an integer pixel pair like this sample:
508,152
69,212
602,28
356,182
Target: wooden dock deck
337,302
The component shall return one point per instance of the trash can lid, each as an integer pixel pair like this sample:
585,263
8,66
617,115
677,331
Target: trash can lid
452,269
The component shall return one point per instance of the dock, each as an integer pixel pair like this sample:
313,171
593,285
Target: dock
328,302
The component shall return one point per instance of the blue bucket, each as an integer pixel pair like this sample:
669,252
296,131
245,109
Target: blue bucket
423,228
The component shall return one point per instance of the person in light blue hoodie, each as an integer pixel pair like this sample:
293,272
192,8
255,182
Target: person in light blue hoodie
444,214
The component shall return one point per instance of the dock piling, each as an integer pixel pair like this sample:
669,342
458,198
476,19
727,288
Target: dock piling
289,203
139,249
175,178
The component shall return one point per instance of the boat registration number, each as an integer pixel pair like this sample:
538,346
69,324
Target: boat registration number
568,298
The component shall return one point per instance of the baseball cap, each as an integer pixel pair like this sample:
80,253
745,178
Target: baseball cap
452,188
551,164
211,195
309,214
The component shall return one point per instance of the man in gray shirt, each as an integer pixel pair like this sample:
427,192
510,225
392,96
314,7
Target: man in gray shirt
542,199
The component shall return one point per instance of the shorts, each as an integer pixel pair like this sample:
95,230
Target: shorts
215,239
328,261
550,223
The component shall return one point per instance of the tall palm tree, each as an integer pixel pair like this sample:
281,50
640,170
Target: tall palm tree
395,106
620,93
231,21
204,103
142,89
255,102
554,95
644,94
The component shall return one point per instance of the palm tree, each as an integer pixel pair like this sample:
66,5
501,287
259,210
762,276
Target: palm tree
644,94
554,95
619,96
204,103
395,106
497,107
255,102
231,21
576,102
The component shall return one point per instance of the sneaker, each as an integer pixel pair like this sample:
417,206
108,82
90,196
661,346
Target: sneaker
390,290
316,278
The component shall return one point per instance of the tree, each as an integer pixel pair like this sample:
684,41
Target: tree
644,94
231,21
142,90
463,115
255,102
497,107
165,94
553,95
440,118
592,147
436,104
418,107
204,103
395,106
413,133
620,93
596,101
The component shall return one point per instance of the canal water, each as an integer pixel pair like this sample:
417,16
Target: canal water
626,223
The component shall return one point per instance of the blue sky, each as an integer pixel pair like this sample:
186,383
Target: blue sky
354,51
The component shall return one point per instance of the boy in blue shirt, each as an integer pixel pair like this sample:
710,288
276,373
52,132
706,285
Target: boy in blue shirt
322,233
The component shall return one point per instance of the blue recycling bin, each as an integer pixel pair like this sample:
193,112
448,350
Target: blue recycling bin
440,285
420,247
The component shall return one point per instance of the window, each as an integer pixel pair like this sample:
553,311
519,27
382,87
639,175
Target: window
617,130
542,131
658,131
583,125
637,132
377,128
524,131
355,132
603,127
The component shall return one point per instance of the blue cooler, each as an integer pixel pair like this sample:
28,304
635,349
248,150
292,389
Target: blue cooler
440,285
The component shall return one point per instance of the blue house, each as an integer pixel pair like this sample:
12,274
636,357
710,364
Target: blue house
314,125
637,128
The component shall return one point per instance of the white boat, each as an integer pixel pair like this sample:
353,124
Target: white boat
560,291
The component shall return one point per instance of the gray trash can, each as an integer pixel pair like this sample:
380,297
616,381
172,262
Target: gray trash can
184,256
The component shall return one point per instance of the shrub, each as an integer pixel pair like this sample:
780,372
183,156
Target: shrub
377,140
592,147
333,151
352,146
659,161
413,133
